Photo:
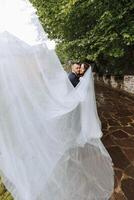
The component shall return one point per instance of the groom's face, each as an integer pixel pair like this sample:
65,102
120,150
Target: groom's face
76,68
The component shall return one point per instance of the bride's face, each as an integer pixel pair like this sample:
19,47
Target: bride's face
82,70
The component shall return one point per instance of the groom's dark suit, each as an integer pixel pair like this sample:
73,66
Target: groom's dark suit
73,78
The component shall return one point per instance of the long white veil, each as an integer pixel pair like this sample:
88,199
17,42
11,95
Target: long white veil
50,147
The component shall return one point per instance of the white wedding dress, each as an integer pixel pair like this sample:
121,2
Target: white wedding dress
50,147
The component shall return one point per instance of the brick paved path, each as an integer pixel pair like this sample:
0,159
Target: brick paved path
116,112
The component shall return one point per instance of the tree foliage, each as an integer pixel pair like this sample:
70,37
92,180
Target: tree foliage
95,30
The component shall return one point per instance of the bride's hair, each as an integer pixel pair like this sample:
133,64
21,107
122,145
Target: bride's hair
86,65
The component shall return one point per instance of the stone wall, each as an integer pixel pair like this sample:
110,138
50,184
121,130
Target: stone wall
129,84
124,83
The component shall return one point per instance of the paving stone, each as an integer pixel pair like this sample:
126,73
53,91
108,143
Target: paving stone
114,128
113,122
125,120
107,141
104,125
118,157
107,115
127,186
129,130
118,138
120,134
123,113
129,171
118,196
118,175
132,124
129,152
125,142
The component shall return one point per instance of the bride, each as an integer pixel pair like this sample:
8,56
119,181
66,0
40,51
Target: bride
50,147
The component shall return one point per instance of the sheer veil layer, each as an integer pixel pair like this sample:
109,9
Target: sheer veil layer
50,147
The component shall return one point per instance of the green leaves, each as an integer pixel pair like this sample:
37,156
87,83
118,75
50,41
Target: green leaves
96,30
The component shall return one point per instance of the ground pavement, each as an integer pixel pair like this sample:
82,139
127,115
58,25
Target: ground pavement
116,112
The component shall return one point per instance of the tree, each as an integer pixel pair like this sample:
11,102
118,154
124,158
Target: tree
97,30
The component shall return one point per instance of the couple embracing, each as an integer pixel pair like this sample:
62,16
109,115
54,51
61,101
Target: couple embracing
77,72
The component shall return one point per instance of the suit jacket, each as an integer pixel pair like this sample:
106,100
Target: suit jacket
73,78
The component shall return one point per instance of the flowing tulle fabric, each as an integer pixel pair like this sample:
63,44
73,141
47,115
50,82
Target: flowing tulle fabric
50,147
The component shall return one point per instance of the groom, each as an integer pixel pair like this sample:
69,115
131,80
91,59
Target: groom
75,74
